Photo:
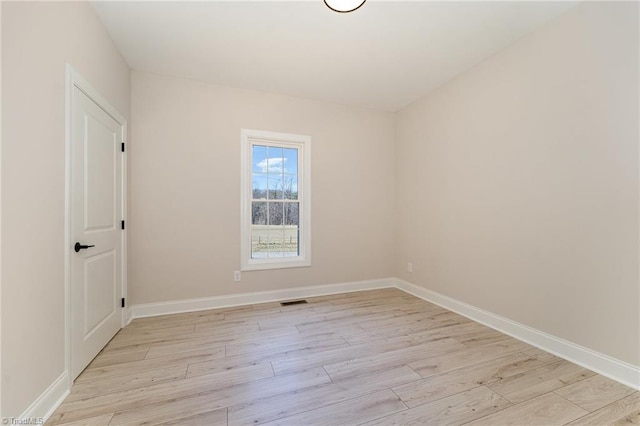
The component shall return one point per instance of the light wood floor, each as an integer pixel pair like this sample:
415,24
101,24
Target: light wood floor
375,358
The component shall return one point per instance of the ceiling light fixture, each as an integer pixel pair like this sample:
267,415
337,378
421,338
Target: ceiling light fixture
344,6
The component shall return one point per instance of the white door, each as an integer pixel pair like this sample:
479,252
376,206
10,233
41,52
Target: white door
96,215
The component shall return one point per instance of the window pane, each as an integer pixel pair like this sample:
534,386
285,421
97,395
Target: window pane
291,161
290,245
275,187
290,187
259,186
259,154
258,213
292,251
275,160
259,230
291,229
276,241
259,241
276,213
291,214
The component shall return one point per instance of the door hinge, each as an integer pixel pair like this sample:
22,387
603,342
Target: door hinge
123,224
122,304
122,146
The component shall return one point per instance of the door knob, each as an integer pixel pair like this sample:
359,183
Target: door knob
79,247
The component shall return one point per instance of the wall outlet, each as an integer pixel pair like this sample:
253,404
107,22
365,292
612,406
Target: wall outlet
237,276
409,267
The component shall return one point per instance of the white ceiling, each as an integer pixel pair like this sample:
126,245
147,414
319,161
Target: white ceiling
383,56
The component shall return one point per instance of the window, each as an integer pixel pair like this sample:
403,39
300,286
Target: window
275,200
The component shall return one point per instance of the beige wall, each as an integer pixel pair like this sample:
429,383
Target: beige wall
517,182
37,40
184,237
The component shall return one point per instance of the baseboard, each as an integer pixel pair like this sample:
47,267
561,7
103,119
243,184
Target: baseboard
605,365
190,305
126,316
49,400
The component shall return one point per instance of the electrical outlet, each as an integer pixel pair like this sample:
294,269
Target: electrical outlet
409,267
236,276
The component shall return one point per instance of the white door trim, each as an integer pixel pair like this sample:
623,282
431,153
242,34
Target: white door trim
74,79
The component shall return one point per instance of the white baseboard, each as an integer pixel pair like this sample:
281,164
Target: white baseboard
190,305
126,316
49,400
605,365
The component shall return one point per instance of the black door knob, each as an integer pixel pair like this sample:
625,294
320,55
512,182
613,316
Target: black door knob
79,247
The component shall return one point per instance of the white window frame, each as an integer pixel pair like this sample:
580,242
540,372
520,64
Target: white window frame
248,138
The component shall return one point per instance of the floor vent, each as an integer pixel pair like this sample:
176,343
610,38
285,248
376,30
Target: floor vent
293,302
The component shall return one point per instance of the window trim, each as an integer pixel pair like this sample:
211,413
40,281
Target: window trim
303,143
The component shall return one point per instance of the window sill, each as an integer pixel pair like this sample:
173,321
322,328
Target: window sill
256,265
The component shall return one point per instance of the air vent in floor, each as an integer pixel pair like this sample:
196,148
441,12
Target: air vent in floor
293,302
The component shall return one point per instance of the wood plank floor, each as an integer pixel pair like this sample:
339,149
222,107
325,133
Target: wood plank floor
378,357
